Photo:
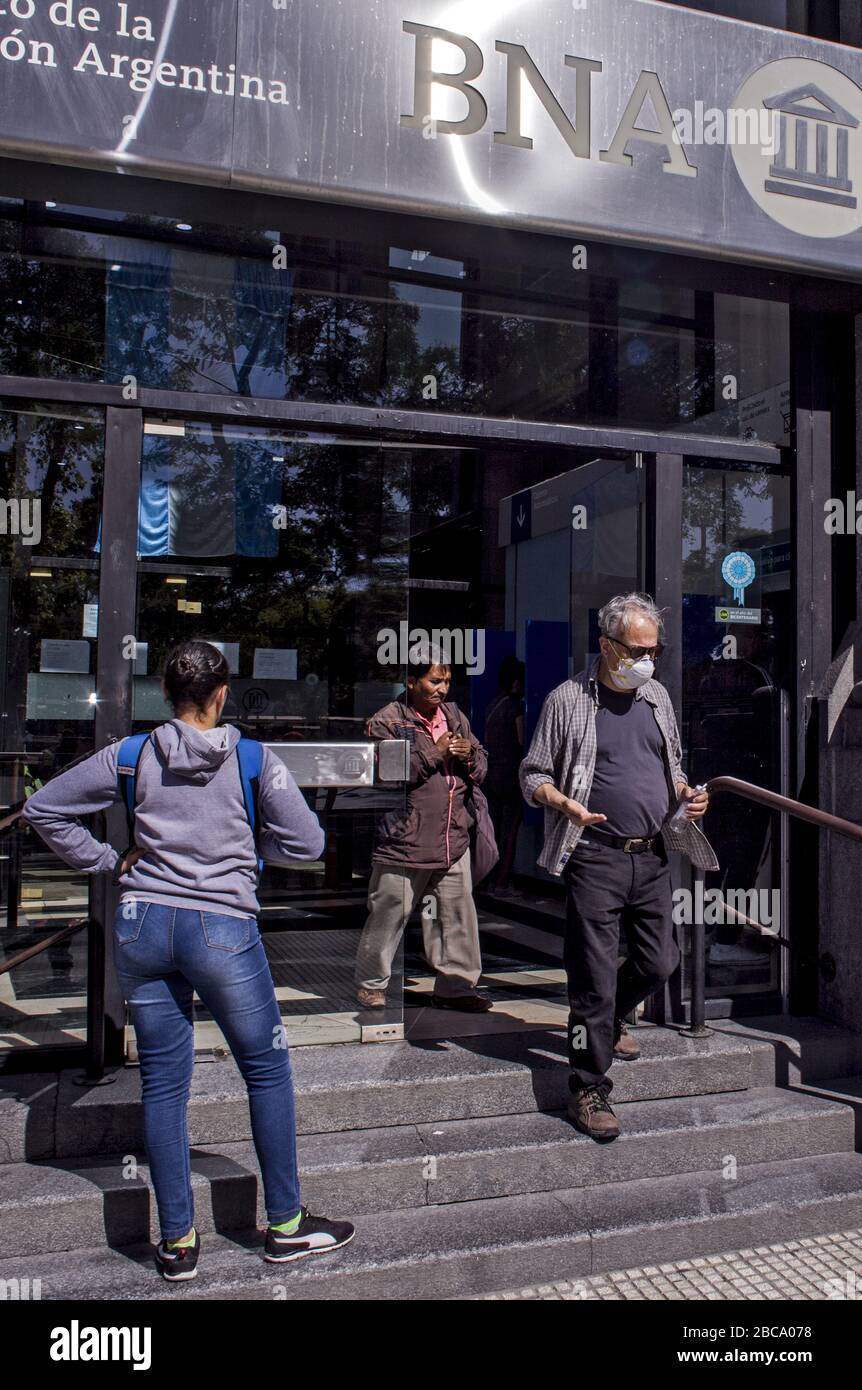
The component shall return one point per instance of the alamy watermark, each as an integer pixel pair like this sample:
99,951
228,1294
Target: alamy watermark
734,126
843,515
459,646
20,1290
21,516
716,908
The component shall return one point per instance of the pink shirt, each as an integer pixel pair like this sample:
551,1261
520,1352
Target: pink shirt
436,726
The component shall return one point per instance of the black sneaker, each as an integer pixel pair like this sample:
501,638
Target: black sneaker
313,1236
178,1262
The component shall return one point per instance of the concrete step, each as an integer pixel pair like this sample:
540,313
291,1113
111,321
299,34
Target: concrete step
467,1248
49,1207
805,1049
356,1086
847,1090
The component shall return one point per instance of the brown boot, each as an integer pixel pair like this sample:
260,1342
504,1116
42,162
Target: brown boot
625,1047
371,998
590,1112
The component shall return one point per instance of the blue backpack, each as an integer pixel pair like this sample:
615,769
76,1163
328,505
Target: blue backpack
249,755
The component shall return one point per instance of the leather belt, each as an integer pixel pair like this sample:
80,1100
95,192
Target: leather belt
637,844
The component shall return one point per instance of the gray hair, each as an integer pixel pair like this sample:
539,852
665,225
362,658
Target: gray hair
614,617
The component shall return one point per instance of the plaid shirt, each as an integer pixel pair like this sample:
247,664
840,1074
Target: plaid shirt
563,751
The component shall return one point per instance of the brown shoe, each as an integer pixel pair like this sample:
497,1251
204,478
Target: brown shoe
590,1112
474,1003
371,998
625,1047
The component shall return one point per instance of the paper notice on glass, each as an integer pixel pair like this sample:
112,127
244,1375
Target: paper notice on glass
230,651
141,651
64,696
57,655
274,663
91,620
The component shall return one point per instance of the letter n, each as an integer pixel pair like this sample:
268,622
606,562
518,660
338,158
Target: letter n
518,64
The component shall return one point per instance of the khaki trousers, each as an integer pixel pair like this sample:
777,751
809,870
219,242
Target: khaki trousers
450,928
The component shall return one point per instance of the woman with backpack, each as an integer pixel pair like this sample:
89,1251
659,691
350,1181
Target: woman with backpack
186,923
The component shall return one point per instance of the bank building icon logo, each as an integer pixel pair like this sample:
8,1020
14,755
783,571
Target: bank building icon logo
796,113
809,177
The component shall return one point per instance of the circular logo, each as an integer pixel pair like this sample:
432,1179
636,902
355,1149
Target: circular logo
351,765
255,700
797,145
723,614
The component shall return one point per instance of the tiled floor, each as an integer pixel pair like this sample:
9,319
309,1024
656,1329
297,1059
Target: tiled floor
815,1267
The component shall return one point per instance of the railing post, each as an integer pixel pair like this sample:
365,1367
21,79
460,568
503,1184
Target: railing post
698,1028
95,1066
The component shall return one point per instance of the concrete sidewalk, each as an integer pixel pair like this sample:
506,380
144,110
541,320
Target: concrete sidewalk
816,1267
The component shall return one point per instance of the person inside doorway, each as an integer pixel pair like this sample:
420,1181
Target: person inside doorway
422,855
504,743
604,762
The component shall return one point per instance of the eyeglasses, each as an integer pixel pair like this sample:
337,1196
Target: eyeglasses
637,652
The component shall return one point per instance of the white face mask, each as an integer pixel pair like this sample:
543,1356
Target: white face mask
630,673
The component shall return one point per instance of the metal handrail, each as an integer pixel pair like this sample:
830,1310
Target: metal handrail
69,930
749,791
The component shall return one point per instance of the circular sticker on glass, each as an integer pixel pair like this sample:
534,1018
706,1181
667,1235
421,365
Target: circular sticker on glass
738,571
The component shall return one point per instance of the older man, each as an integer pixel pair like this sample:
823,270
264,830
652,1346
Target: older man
604,762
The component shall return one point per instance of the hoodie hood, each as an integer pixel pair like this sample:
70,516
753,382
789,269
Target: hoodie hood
188,753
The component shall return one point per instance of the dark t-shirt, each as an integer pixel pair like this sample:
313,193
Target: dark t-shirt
630,784
502,745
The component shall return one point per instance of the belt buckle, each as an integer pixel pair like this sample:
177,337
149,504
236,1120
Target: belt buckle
635,840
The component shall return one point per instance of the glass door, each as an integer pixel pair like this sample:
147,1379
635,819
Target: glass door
51,471
573,540
289,551
737,630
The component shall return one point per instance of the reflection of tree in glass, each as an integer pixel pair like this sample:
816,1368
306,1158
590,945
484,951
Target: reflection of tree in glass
52,321
714,514
339,575
58,462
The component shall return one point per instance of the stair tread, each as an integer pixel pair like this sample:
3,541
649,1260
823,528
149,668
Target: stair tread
412,1242
408,1144
354,1066
357,1087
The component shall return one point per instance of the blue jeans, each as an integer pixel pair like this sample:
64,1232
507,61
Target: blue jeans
162,955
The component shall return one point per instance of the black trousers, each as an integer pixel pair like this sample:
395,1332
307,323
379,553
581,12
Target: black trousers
606,890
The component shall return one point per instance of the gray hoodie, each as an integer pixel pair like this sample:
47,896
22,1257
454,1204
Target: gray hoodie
190,820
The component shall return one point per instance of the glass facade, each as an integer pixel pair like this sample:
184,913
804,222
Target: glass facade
301,549
90,295
52,461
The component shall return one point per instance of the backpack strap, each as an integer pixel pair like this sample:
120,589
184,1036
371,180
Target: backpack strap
250,757
128,759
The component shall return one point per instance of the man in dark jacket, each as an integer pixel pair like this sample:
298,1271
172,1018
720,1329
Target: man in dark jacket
423,854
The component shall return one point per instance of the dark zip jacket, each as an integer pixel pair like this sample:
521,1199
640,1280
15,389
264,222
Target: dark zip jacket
434,830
